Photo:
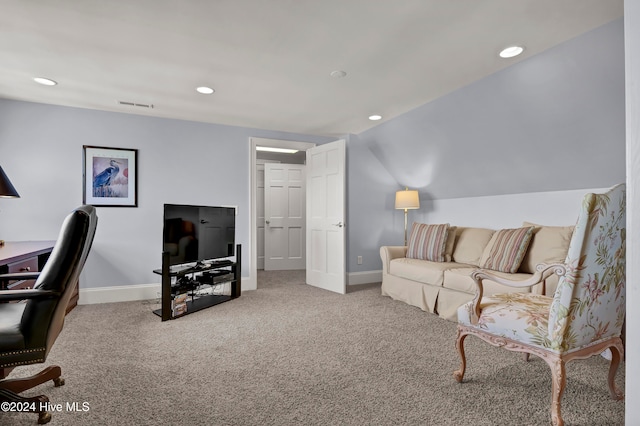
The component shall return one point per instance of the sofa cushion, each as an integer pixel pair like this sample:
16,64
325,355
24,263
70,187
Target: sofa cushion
470,243
549,244
506,249
423,271
451,240
460,279
427,242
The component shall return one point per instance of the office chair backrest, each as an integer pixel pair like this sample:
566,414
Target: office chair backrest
43,319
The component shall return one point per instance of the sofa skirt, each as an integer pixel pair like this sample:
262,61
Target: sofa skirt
414,293
449,301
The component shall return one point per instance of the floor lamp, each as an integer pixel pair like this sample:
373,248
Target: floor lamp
405,200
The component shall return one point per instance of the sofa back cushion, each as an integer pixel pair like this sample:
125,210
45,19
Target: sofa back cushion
469,244
451,240
427,242
549,244
506,249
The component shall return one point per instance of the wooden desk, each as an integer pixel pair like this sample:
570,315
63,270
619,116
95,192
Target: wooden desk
27,256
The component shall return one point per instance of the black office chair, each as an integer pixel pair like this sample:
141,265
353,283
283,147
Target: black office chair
29,329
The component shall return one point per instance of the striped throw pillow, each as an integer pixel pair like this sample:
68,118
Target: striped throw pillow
507,249
428,242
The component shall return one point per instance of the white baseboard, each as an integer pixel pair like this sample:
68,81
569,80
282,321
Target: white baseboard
128,293
123,293
365,277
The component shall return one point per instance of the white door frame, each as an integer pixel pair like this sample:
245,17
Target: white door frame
252,282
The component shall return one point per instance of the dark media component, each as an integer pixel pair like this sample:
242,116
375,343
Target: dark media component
198,233
201,264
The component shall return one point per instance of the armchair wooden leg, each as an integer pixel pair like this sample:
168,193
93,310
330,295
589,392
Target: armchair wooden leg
20,385
617,352
559,383
459,374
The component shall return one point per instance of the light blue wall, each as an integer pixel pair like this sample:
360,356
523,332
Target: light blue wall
552,122
179,162
555,121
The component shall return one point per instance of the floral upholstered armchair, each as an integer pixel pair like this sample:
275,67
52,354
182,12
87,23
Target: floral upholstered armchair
584,317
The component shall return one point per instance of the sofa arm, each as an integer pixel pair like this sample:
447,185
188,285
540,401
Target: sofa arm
388,253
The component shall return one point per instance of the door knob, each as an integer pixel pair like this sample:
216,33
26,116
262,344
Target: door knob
267,222
339,224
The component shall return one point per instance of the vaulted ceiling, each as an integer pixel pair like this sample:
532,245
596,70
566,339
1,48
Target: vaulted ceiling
270,61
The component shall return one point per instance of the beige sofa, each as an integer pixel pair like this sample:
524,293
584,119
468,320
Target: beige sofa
441,287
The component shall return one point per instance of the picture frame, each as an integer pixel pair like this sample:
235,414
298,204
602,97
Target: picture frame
109,176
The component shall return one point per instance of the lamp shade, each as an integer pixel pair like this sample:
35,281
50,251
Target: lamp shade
407,199
6,187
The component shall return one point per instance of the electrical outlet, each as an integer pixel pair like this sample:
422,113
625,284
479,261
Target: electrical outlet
359,260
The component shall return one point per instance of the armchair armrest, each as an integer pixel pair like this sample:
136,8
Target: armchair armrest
543,272
388,253
15,295
20,276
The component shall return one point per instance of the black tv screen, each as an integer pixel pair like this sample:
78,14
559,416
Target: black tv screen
198,233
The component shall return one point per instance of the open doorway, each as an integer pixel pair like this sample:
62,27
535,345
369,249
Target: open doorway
259,162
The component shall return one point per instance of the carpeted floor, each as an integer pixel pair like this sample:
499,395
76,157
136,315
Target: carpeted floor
291,354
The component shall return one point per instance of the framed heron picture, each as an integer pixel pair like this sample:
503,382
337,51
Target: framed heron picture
110,176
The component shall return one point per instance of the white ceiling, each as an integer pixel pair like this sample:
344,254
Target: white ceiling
269,61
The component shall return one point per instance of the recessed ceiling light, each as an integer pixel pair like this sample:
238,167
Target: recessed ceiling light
338,74
205,90
375,117
280,150
511,51
45,81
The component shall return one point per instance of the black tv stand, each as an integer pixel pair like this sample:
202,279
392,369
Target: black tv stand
182,289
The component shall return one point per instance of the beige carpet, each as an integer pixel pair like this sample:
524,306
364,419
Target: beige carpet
290,354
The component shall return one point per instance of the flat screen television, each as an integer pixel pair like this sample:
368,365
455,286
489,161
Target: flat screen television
198,233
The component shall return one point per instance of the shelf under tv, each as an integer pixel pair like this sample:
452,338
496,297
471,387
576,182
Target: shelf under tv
209,266
202,302
208,275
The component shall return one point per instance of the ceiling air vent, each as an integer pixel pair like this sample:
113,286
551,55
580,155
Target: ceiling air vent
135,104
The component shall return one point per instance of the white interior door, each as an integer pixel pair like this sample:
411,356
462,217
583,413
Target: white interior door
284,212
326,217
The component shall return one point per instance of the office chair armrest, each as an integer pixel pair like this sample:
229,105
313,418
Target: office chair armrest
20,276
15,295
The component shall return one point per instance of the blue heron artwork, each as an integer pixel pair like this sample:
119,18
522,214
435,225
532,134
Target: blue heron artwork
110,177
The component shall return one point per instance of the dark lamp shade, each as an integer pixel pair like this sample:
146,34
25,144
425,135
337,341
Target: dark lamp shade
6,188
